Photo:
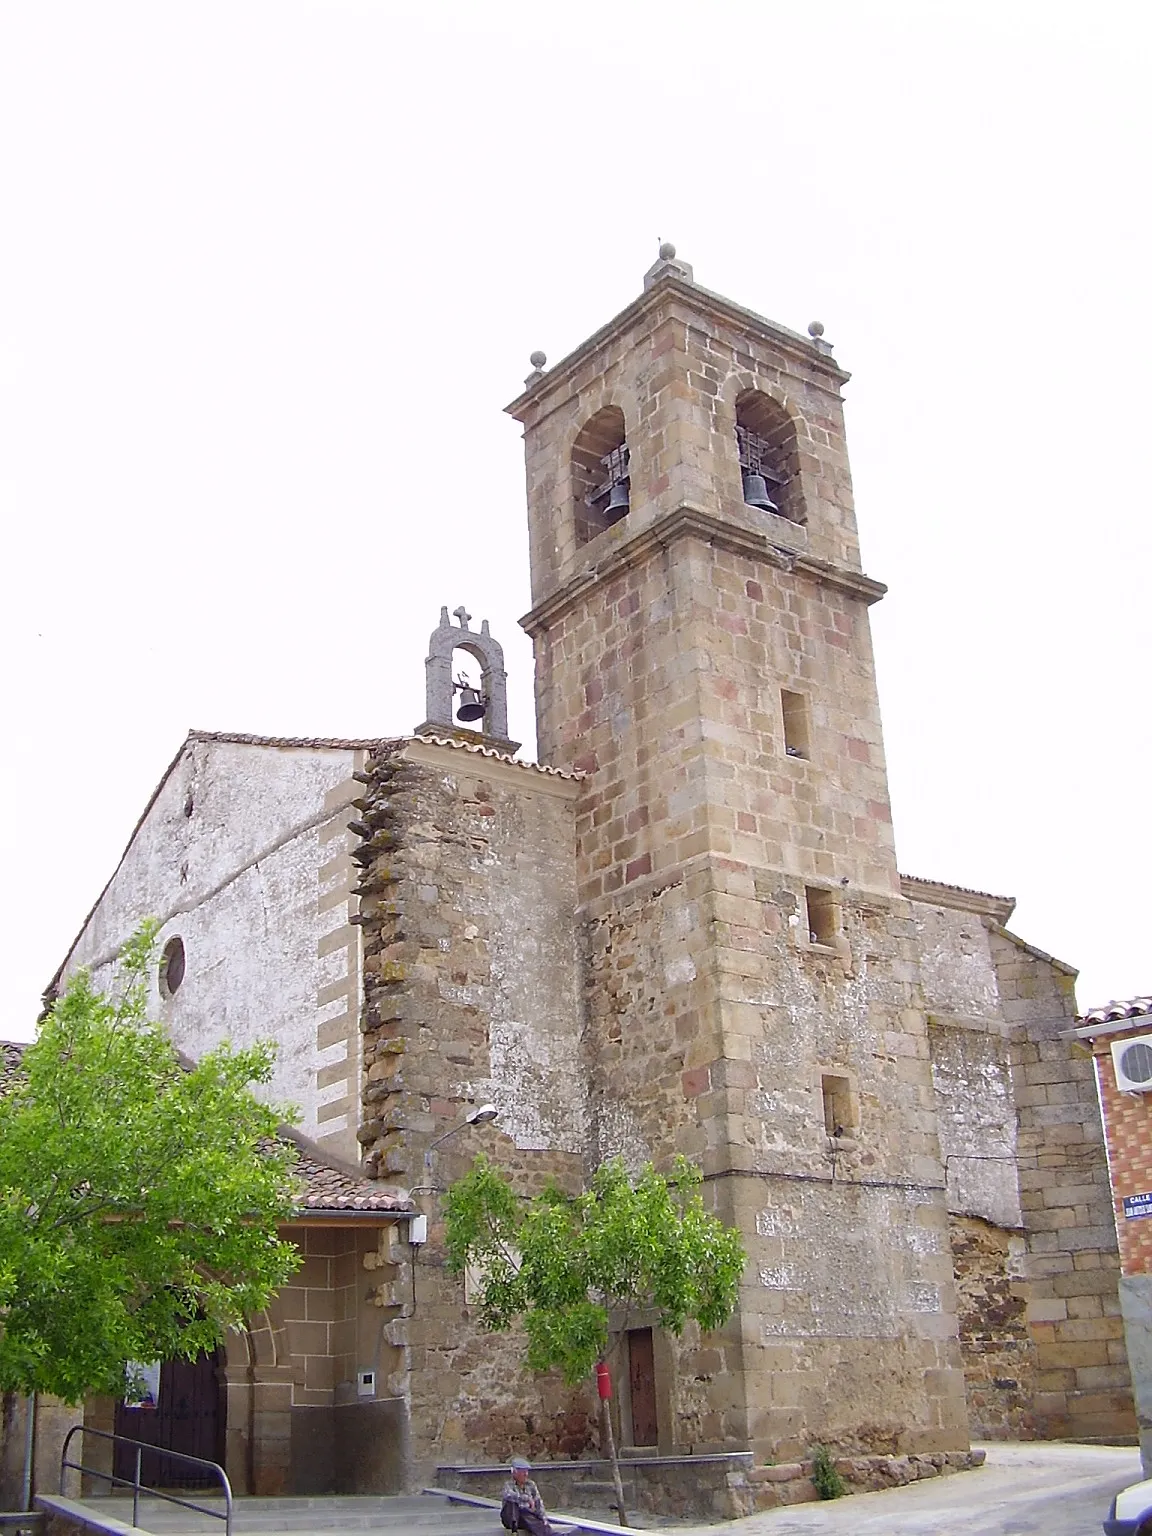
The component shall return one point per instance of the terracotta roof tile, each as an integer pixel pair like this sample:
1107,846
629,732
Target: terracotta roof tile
481,750
330,1184
1115,1013
331,1189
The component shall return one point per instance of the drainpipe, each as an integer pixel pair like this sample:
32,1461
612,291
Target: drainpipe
29,1443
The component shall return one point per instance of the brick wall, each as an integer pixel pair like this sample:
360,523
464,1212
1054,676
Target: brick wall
1128,1124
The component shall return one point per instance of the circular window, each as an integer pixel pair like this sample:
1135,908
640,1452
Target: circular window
172,967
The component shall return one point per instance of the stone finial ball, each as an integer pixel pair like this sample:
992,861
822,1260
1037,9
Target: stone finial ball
667,250
537,359
816,328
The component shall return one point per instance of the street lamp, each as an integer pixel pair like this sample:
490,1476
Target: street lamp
483,1114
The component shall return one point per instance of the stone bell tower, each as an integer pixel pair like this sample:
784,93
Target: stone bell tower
700,622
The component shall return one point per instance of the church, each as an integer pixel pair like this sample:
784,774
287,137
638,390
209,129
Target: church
683,929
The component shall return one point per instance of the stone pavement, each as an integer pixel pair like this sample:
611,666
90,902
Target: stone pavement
1032,1489
1036,1489
417,1515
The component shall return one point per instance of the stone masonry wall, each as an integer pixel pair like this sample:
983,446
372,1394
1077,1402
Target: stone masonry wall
53,1421
999,1351
1027,1177
715,1016
718,999
471,995
243,856
1083,1381
675,368
655,1057
850,1327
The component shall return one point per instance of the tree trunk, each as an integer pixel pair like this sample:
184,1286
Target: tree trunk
609,1442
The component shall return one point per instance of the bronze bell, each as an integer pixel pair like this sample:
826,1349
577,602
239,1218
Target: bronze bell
756,492
472,706
617,501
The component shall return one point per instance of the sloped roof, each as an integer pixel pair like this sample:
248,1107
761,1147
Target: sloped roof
336,743
331,1189
331,1184
965,890
964,897
1037,954
1117,1012
478,749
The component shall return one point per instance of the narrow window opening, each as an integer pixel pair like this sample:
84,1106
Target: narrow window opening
837,1105
172,967
794,707
823,919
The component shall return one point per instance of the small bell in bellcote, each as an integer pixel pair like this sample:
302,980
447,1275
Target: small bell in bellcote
756,492
472,705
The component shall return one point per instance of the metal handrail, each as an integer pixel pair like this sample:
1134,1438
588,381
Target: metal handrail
137,1486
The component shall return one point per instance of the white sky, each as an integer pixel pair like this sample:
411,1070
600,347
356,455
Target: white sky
269,271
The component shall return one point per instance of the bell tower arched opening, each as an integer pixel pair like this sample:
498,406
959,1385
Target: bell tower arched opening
600,478
769,456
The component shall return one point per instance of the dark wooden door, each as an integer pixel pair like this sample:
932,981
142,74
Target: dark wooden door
642,1386
188,1417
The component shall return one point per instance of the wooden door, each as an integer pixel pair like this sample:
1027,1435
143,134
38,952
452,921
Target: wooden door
642,1386
188,1417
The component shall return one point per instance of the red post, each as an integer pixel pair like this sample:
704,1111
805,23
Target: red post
603,1380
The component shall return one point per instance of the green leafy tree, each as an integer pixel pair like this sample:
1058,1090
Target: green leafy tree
565,1267
139,1195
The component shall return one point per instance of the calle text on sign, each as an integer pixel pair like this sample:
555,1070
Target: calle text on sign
1138,1205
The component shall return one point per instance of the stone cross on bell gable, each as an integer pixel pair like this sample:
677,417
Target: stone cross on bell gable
447,638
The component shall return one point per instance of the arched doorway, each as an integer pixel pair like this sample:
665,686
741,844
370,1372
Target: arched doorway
188,1418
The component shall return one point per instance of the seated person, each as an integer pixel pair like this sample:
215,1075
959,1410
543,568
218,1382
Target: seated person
521,1507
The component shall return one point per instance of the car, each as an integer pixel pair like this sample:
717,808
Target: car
1131,1511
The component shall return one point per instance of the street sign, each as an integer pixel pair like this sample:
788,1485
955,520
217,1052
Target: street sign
1138,1205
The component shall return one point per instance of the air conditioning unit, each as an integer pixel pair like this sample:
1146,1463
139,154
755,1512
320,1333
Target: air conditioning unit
1132,1060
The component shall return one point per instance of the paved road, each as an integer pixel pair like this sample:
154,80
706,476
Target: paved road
1022,1490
